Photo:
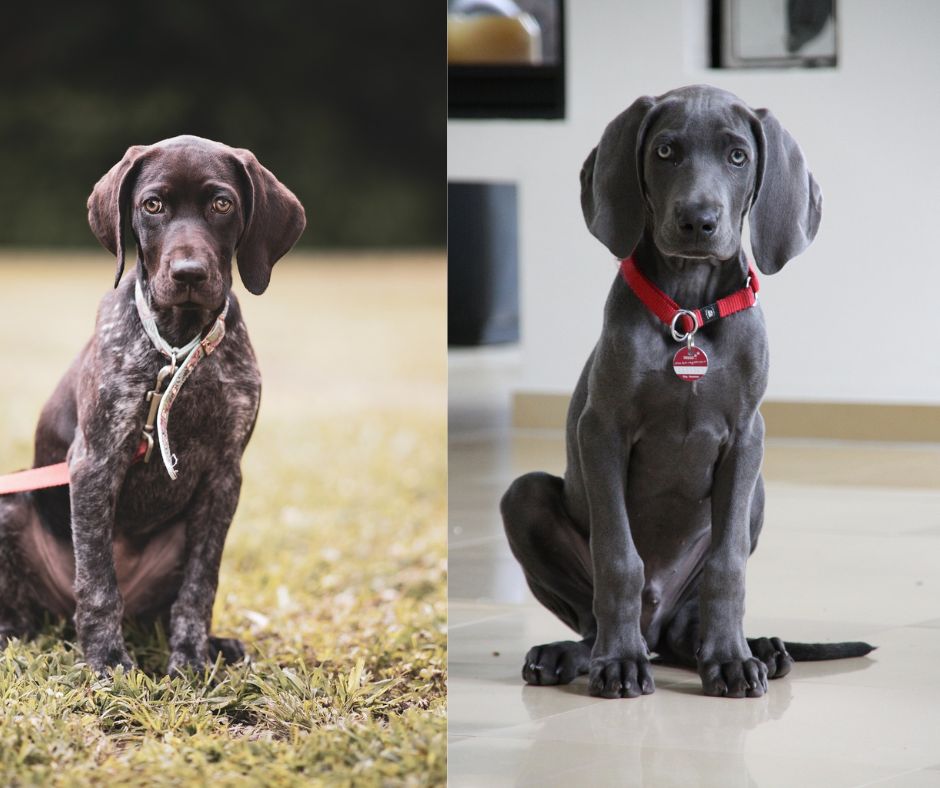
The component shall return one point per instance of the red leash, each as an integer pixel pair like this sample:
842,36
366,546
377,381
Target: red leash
35,479
48,475
665,308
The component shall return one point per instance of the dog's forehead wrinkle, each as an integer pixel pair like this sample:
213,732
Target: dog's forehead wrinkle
702,124
191,170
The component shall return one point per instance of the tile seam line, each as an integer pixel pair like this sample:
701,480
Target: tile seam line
883,780
452,627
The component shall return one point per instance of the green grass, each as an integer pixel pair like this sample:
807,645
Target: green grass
334,571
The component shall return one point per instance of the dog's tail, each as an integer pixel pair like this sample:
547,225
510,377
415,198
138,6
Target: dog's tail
816,652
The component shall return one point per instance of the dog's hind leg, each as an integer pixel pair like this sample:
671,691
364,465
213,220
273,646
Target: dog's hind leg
20,615
556,560
679,643
232,650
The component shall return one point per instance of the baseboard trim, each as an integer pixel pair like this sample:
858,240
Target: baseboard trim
825,420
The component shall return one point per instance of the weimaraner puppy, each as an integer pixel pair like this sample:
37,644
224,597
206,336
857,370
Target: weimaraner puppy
642,545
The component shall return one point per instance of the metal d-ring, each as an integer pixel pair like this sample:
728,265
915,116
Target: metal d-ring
682,336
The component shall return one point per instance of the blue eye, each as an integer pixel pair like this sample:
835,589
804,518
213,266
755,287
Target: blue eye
664,151
738,157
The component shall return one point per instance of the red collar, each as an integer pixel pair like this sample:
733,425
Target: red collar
665,308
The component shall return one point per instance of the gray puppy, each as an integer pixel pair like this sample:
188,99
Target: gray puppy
141,527
642,546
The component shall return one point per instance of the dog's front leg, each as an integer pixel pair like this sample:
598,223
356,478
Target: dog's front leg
725,663
620,659
207,524
99,608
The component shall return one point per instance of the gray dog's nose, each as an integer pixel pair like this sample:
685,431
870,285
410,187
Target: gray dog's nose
697,220
188,272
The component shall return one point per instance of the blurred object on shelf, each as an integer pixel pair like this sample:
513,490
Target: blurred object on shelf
494,32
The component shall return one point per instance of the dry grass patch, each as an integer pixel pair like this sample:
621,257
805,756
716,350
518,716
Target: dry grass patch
334,572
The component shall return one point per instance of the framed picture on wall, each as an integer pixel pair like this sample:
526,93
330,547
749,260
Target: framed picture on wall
773,33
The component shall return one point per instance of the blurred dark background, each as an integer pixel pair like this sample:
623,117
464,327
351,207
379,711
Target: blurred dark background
343,101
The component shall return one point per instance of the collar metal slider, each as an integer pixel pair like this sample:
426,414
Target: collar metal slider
681,336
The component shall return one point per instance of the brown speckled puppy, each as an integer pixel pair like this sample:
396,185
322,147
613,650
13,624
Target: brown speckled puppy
124,538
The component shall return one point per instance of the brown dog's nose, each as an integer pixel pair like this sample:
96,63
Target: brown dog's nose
189,272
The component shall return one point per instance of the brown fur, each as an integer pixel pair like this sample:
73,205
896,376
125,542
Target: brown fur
124,538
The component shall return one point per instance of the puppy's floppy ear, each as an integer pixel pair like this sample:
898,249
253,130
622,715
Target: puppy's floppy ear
107,204
611,183
274,220
787,202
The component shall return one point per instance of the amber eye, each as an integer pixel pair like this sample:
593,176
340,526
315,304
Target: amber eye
221,205
153,205
664,151
738,157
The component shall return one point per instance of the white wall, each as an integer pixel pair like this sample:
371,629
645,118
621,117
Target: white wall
857,317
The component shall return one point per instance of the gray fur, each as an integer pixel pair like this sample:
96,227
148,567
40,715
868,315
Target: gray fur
124,539
642,546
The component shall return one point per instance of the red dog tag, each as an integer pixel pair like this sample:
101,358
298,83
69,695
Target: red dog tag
690,363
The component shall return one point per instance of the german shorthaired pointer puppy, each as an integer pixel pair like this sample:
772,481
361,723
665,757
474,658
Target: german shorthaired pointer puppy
154,414
642,546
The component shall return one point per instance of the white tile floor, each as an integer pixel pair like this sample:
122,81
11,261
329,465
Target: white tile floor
837,560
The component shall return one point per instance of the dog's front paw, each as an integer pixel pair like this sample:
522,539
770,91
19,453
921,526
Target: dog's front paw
104,659
187,658
556,663
743,677
621,677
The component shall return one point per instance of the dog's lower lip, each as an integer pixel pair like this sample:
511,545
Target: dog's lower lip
693,254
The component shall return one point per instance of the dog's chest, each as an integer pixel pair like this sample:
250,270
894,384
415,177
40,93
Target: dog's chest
677,461
208,426
675,428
